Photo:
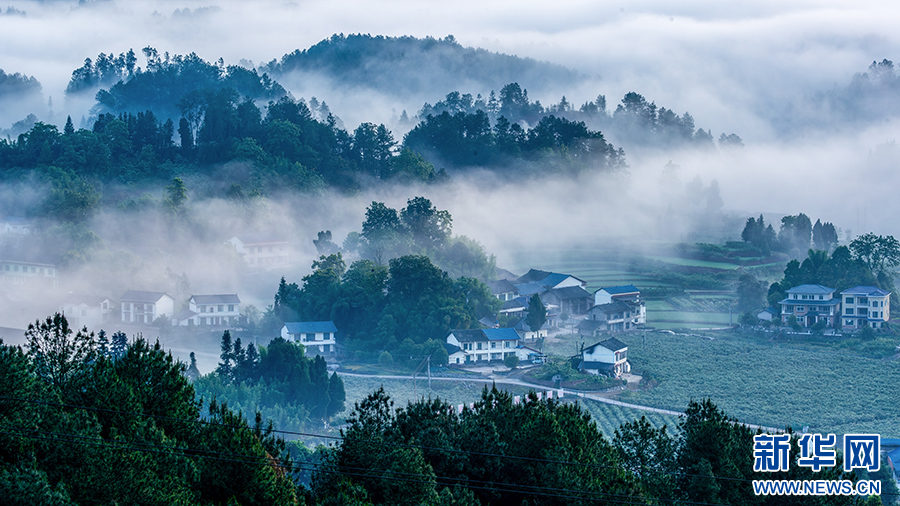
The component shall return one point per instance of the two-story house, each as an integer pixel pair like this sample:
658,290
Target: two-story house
618,316
217,309
810,304
609,357
319,338
90,311
264,252
145,307
484,345
865,306
628,294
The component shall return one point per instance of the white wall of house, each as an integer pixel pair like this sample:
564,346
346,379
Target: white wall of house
321,342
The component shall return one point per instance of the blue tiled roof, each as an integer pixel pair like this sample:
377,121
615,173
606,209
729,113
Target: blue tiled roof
501,334
801,302
532,288
310,327
811,289
614,290
866,291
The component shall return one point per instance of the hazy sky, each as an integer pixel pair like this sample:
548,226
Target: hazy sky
731,66
722,62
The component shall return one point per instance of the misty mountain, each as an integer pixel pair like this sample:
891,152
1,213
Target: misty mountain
400,66
870,97
170,86
20,95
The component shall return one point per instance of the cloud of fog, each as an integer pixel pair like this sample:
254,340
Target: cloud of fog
731,66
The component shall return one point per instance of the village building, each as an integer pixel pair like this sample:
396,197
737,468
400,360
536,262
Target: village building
572,300
810,304
483,345
265,252
865,306
90,311
145,307
215,310
609,357
629,295
503,289
624,293
319,338
27,265
618,316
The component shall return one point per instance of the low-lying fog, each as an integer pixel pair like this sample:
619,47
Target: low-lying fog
734,68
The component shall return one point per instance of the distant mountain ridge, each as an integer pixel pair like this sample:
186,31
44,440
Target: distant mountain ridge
402,65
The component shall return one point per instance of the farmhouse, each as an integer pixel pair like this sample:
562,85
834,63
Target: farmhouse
609,357
619,316
217,310
90,311
810,304
865,306
503,289
262,251
483,345
319,338
626,294
22,265
145,307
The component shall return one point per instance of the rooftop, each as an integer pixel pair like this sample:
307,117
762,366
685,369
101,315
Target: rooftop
140,296
310,327
811,289
866,291
224,298
618,290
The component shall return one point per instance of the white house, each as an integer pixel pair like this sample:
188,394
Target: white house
264,252
319,338
865,306
217,309
619,316
606,357
27,265
145,307
90,311
616,293
810,304
484,345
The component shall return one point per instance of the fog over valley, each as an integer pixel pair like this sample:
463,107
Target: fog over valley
297,252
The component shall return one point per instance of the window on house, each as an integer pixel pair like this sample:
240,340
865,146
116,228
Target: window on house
848,310
494,345
849,300
221,308
479,345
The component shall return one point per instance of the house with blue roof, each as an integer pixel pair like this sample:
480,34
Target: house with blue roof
319,338
811,304
865,306
483,345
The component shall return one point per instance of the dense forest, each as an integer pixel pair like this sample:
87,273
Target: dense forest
84,424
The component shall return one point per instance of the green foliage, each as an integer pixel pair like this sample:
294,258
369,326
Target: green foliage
533,448
126,431
277,378
511,361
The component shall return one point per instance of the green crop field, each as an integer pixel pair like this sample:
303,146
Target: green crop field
609,417
768,385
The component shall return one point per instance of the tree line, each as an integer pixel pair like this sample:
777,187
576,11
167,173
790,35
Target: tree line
83,427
